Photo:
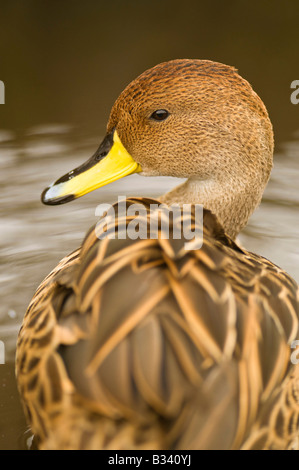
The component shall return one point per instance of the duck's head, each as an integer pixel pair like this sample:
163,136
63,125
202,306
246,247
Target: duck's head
192,119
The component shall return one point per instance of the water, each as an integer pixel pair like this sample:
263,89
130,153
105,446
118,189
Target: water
35,237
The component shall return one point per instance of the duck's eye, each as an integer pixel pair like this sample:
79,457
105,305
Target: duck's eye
160,115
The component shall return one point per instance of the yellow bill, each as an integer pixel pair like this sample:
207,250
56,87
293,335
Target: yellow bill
110,163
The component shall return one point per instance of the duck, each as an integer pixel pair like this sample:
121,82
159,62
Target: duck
146,343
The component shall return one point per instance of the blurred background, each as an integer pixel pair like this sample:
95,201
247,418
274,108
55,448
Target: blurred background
63,65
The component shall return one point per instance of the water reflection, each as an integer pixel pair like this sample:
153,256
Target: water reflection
34,237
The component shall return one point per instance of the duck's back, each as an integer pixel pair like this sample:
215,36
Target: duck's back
133,344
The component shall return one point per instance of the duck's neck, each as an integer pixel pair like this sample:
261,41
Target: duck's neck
232,205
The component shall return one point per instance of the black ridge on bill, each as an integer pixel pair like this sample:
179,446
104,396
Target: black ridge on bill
101,153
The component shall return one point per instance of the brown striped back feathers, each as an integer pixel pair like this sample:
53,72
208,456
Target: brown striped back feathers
142,344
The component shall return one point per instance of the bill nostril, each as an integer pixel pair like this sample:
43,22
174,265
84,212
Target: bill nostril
101,155
104,148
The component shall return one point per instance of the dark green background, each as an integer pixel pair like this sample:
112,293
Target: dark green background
67,61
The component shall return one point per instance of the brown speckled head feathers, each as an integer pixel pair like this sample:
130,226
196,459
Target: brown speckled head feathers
218,135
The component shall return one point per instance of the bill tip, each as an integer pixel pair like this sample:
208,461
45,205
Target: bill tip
50,197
